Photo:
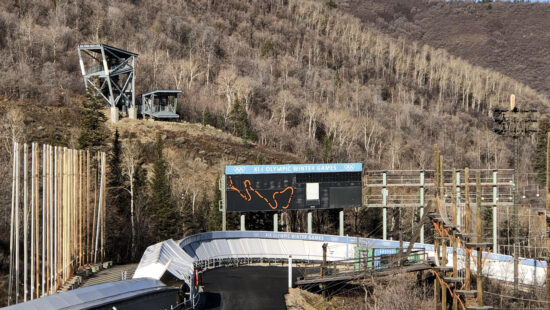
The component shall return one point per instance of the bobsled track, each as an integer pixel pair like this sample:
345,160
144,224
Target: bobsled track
180,259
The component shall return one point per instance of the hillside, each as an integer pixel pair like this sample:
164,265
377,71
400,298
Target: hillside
309,81
510,38
310,78
310,84
377,82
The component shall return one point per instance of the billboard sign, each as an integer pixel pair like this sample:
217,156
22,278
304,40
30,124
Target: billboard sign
293,187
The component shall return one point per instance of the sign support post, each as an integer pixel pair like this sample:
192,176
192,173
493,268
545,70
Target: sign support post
309,222
243,222
341,216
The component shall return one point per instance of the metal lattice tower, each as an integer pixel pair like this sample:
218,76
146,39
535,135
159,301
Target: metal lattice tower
109,71
515,123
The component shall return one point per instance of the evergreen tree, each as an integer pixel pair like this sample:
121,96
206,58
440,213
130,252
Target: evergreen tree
161,208
189,225
141,199
118,236
327,149
240,125
201,213
215,216
92,125
540,151
206,117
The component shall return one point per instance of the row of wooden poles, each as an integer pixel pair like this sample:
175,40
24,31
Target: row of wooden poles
58,204
443,235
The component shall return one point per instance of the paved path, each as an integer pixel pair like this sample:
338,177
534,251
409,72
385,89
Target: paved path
251,287
110,274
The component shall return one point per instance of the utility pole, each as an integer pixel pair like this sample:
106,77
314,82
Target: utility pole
515,123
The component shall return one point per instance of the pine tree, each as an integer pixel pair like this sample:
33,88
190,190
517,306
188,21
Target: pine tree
162,208
189,225
92,125
118,242
240,125
206,117
327,149
215,216
201,213
540,151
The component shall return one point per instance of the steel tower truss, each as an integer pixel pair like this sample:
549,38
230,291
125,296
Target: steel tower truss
110,72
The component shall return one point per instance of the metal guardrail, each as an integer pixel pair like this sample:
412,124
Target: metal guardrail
357,267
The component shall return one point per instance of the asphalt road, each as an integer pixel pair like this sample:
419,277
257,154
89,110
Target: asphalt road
251,287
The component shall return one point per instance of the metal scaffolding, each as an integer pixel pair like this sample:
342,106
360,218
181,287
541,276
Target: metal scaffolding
109,71
160,104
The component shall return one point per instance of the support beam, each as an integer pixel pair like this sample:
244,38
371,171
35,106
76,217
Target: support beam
341,217
275,222
309,222
243,227
114,114
224,203
290,271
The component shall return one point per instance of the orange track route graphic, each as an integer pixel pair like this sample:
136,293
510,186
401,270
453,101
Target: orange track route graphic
248,187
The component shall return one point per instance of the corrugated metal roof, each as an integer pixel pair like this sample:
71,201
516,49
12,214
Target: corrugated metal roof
165,114
93,296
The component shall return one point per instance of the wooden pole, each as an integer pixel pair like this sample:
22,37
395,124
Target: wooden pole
95,211
59,204
548,219
37,221
467,225
25,217
77,208
103,212
12,223
88,245
65,213
479,240
80,187
17,177
56,219
52,262
100,200
47,224
33,167
44,189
